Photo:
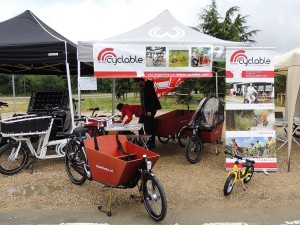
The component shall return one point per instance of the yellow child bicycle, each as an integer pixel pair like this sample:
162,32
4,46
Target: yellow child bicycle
243,174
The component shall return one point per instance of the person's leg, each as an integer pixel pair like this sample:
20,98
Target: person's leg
149,126
142,120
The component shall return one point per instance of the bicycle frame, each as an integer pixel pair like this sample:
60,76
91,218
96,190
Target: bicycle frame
243,174
40,151
240,173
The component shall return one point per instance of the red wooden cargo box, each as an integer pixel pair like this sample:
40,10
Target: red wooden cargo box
109,165
170,123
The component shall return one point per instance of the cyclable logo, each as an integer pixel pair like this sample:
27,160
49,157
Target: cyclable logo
158,32
236,56
107,55
240,57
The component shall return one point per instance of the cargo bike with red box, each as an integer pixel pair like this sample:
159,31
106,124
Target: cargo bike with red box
205,126
117,163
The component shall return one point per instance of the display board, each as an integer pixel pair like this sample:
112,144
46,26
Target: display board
250,106
145,60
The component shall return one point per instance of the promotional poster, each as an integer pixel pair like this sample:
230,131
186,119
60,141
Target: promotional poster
250,106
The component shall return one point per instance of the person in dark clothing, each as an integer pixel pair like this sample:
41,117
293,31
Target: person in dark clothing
150,104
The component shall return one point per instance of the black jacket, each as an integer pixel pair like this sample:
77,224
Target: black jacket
150,100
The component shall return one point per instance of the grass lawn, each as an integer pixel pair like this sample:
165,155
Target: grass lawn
104,102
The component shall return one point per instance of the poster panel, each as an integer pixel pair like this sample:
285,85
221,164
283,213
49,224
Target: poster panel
142,60
250,106
88,83
255,145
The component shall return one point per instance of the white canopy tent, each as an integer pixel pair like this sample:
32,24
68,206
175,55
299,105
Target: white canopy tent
161,30
288,64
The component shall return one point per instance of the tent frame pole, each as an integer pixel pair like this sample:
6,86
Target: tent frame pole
14,92
79,91
217,88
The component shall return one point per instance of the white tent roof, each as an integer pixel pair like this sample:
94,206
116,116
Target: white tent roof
162,29
289,64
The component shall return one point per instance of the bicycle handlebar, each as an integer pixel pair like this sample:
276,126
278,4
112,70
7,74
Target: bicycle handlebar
238,157
80,119
3,104
99,119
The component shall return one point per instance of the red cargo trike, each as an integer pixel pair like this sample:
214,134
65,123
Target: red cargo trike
168,126
117,163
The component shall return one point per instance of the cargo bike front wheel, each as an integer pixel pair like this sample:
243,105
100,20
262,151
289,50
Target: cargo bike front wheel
154,198
13,158
194,149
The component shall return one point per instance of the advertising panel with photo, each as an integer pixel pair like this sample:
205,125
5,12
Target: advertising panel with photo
250,106
140,60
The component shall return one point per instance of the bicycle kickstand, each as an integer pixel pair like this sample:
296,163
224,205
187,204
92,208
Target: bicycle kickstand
32,163
244,186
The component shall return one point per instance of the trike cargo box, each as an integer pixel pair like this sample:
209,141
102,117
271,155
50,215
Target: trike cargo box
25,125
170,123
110,166
211,135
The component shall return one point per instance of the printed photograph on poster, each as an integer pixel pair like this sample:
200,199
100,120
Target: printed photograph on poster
178,57
155,56
259,146
250,94
250,120
201,56
255,147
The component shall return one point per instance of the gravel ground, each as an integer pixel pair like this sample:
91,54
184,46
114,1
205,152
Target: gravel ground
185,184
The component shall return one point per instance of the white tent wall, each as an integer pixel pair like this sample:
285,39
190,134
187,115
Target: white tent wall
297,109
289,64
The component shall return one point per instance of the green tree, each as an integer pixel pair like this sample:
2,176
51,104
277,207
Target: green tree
104,85
123,86
45,83
6,84
232,28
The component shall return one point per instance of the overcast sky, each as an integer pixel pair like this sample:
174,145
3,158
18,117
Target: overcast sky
84,20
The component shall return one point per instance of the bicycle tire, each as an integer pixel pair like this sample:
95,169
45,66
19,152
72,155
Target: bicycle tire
194,150
229,184
75,159
154,198
12,166
248,178
163,140
296,132
183,137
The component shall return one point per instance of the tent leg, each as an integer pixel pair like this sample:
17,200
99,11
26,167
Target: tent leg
14,92
79,92
70,97
217,88
113,96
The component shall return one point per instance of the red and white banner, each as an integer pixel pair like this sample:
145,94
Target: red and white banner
250,106
164,85
141,60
